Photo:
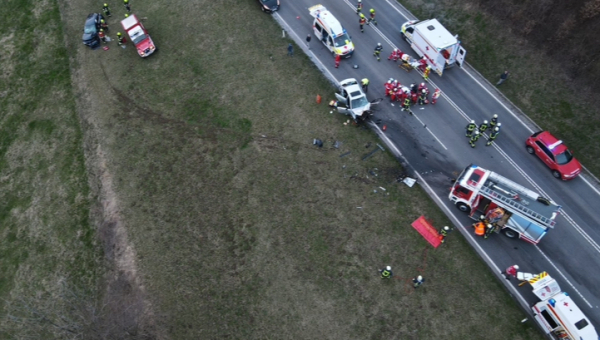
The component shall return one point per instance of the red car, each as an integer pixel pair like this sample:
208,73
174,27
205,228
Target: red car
138,35
555,154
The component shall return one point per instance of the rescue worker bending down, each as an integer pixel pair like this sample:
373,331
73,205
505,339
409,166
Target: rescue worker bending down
474,138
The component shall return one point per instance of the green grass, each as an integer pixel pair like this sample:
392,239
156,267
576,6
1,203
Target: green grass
44,196
538,84
240,227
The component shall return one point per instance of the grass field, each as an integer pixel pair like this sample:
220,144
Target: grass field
538,84
218,218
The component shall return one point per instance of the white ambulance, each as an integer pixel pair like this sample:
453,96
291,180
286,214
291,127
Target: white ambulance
331,33
557,314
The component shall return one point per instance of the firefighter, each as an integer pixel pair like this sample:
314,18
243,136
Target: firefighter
488,230
510,271
394,55
362,21
372,17
493,136
126,4
394,94
474,138
365,84
386,273
422,87
377,51
101,35
406,104
484,126
479,228
359,7
396,84
103,25
423,64
444,232
106,10
435,96
493,122
423,97
417,281
470,128
338,58
399,94
404,92
414,98
426,73
120,39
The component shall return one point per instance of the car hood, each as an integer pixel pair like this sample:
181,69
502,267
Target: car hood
270,3
359,111
571,168
144,44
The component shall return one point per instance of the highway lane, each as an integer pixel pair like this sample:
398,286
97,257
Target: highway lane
433,144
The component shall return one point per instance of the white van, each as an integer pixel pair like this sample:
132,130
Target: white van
331,33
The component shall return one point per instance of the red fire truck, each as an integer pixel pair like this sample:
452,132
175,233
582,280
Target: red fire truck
510,207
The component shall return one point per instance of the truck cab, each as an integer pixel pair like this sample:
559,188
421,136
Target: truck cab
138,35
330,32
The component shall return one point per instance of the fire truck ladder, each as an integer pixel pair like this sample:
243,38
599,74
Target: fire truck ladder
506,202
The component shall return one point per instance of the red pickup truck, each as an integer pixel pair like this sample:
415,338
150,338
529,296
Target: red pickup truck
138,35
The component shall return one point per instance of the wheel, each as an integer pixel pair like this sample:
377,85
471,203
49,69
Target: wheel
530,150
463,207
263,8
403,36
556,174
510,233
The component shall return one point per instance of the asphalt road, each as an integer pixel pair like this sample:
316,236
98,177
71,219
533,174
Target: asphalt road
432,144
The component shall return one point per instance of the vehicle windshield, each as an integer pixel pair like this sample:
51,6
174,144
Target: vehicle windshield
137,35
342,40
89,28
359,102
564,158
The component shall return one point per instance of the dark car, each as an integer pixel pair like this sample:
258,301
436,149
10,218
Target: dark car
554,154
269,6
90,30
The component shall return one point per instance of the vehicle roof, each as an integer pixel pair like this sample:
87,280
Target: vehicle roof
435,33
129,22
479,178
548,139
570,314
327,19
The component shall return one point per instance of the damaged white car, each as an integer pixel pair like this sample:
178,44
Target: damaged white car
356,103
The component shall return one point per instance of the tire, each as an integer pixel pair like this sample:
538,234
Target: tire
510,233
403,36
463,207
530,150
556,174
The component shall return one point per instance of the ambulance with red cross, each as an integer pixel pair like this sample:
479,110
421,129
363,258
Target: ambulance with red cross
330,32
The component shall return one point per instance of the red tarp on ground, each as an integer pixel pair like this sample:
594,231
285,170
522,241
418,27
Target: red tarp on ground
427,231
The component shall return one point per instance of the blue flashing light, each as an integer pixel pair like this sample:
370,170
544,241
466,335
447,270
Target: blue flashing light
566,294
473,166
552,302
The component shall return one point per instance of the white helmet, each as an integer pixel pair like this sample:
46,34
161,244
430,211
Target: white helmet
359,1
424,91
496,129
378,44
481,217
485,122
490,226
389,81
388,267
396,89
499,124
395,50
472,122
422,84
446,228
516,267
476,132
495,116
420,278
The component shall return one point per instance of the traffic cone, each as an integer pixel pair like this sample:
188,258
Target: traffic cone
318,99
384,127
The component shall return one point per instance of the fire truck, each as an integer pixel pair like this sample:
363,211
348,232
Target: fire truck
557,313
510,207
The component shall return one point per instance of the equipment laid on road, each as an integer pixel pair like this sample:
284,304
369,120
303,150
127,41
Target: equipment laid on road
431,40
330,32
557,313
508,206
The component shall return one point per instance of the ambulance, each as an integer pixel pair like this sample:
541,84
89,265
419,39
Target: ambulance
330,32
557,313
435,43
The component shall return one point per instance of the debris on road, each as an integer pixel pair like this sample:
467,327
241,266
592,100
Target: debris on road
345,154
379,148
318,142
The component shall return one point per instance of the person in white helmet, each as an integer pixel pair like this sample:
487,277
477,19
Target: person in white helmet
493,136
510,271
484,126
359,7
474,138
417,281
493,122
386,273
377,51
444,231
470,128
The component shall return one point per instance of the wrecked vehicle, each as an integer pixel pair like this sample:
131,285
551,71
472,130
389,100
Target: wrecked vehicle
355,100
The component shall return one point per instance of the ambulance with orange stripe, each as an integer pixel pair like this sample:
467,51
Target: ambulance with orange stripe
557,313
330,32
